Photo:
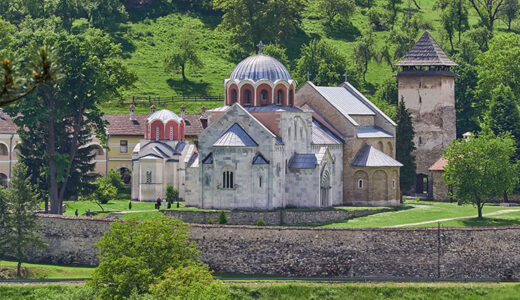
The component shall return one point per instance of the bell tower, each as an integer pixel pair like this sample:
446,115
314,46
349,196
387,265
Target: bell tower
427,86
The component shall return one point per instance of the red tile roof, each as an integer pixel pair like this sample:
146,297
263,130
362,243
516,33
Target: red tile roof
7,125
439,165
193,125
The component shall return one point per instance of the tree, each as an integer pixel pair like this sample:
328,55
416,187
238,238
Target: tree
503,116
191,283
480,168
103,191
21,207
114,178
172,194
398,43
364,52
500,64
324,63
388,92
454,18
392,6
64,115
487,11
509,12
185,53
405,146
333,8
278,52
134,254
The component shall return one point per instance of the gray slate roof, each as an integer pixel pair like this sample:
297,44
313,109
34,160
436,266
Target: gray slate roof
372,132
160,149
369,156
260,66
303,161
344,101
271,107
426,52
321,135
235,136
259,159
208,159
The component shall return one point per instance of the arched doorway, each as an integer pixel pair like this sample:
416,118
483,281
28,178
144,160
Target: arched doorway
421,184
325,189
3,180
125,175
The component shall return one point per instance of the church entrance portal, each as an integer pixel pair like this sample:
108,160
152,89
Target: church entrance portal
421,185
324,189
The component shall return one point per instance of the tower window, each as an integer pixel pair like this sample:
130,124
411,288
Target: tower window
263,95
234,96
247,97
360,184
279,97
227,179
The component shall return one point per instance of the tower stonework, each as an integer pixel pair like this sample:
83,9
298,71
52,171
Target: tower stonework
426,84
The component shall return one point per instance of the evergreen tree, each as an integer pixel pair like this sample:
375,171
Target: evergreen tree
405,146
504,115
22,205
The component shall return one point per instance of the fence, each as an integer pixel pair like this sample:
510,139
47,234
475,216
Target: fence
165,100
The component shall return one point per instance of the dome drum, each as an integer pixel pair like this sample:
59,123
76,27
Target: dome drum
164,125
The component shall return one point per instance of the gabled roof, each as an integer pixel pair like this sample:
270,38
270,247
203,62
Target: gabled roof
259,159
322,135
120,124
372,132
235,136
426,52
344,101
303,161
369,156
439,165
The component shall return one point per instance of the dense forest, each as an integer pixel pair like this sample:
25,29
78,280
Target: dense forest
187,47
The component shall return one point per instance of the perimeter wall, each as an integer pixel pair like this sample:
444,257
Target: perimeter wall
457,253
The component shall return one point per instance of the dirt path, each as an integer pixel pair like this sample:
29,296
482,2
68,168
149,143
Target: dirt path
505,211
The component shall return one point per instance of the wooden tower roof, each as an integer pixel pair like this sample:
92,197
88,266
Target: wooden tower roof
426,52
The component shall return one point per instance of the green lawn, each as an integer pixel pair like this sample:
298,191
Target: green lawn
39,271
303,290
421,211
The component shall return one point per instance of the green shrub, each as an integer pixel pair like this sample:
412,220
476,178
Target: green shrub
191,282
210,221
222,218
260,222
172,194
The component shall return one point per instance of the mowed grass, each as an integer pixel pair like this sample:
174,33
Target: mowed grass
40,271
423,211
303,290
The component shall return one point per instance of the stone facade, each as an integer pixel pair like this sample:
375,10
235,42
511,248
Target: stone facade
439,190
427,253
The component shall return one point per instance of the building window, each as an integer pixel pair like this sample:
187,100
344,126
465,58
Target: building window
420,99
393,184
420,140
247,97
148,176
157,133
263,95
279,97
234,96
3,150
227,179
123,146
207,180
260,181
171,133
360,184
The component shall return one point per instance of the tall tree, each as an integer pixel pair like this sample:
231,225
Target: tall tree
185,52
22,205
454,18
392,7
322,61
364,52
509,12
337,8
480,168
278,52
503,115
405,146
487,11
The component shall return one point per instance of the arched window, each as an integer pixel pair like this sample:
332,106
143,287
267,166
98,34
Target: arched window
3,180
289,133
393,184
301,133
227,179
279,97
263,95
3,150
157,133
234,96
171,133
360,184
247,97
295,131
260,181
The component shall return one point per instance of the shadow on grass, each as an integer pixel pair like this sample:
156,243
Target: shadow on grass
187,87
479,222
342,30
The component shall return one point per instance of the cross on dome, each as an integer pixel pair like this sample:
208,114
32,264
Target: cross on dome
346,76
308,76
260,47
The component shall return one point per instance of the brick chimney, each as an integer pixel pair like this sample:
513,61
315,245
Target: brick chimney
132,110
152,108
183,111
204,117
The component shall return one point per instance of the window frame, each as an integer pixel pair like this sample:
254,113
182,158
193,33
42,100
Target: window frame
123,144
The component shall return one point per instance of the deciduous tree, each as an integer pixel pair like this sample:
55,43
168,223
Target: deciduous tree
185,52
322,61
509,12
487,11
480,168
337,8
364,52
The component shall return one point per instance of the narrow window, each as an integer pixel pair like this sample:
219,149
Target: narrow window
260,181
360,184
420,84
227,180
279,97
295,131
247,97
420,99
234,96
393,184
263,95
123,146
171,133
148,176
157,133
420,140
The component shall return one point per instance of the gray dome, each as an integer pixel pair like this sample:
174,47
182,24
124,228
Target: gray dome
260,66
164,115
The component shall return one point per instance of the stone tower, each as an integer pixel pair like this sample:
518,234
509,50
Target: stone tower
426,84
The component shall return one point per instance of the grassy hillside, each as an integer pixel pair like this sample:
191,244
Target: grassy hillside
146,42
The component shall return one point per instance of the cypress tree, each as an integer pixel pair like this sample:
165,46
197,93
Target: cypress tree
405,146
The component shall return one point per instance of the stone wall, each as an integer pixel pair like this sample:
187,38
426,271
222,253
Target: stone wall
427,253
274,217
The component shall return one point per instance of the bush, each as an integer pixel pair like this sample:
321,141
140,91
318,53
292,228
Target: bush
210,221
222,218
260,222
172,194
134,254
115,179
191,282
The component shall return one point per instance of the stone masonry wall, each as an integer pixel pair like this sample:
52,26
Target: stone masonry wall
274,217
427,253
